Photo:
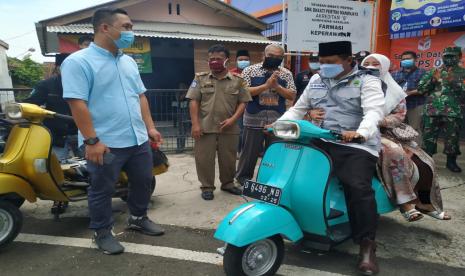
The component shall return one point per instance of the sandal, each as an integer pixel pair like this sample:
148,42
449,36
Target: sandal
435,214
412,215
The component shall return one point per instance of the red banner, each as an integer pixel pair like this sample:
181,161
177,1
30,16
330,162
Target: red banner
428,48
68,43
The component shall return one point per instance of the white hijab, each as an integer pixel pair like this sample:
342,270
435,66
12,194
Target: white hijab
394,94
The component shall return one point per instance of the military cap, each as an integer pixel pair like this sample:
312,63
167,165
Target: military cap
455,51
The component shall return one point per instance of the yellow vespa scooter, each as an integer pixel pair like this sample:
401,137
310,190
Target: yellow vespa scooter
30,170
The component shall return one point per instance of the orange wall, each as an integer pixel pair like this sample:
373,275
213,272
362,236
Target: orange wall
383,41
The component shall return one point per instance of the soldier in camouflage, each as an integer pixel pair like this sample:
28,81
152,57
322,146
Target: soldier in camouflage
444,108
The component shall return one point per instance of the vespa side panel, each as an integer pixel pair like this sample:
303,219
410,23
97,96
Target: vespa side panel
302,172
255,221
382,200
12,184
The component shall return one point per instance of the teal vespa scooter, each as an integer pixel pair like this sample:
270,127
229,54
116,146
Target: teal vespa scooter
298,199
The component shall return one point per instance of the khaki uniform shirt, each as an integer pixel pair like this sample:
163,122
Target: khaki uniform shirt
218,99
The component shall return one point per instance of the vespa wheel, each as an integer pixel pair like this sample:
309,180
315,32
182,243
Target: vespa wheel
260,258
152,190
11,221
13,198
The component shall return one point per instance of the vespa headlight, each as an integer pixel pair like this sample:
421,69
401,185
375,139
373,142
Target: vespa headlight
14,111
286,130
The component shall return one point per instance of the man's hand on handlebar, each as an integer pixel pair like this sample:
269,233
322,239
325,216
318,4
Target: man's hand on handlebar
266,129
94,153
352,136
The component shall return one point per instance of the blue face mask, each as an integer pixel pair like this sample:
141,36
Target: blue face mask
242,64
314,65
125,40
407,63
331,70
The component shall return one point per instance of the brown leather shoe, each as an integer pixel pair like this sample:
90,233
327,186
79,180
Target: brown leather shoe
367,258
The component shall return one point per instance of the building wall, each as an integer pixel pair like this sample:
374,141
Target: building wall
251,6
5,79
175,61
191,12
201,53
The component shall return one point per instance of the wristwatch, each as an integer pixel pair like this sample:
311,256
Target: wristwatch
91,141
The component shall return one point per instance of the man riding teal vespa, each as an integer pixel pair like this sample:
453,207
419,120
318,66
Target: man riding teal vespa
353,104
316,186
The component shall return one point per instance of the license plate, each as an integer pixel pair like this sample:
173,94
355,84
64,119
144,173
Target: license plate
262,192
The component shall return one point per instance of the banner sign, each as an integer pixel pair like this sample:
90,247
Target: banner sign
141,53
429,49
409,17
68,43
140,50
313,21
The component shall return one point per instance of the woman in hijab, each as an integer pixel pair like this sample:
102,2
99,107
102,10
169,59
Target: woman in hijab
407,171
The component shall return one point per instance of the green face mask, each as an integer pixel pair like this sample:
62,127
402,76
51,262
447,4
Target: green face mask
450,60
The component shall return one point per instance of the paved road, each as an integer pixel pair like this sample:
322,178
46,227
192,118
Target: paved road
47,247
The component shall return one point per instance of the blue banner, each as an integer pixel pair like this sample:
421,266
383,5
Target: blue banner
409,17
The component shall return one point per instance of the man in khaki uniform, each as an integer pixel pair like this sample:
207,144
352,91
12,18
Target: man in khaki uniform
218,99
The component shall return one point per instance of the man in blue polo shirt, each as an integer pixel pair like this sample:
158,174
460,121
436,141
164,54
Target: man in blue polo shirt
106,96
408,77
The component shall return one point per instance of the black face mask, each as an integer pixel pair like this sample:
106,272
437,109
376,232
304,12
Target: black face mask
272,62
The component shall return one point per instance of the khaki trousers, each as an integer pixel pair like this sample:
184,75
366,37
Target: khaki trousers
415,120
205,150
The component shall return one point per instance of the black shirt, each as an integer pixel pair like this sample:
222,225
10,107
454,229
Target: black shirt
301,82
49,92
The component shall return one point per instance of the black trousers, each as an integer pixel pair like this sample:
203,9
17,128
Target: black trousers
252,144
355,169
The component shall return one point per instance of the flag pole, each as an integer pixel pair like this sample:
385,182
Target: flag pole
284,26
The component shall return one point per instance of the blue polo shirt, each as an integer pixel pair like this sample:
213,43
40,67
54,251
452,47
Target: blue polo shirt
111,87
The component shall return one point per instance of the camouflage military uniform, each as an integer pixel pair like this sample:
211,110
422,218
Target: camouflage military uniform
445,89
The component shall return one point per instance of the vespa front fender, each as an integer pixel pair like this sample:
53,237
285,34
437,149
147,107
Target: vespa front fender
12,184
255,221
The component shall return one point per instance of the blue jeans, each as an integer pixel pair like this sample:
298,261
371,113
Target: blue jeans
70,147
62,153
137,162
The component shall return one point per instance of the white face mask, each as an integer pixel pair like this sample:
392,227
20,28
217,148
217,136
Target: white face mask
372,67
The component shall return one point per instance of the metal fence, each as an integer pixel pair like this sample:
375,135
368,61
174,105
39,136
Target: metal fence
169,108
170,111
274,31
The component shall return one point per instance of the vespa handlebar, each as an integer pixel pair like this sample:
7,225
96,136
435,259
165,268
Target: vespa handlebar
338,136
63,117
5,122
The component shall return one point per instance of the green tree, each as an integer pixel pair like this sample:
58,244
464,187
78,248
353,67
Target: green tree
25,72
